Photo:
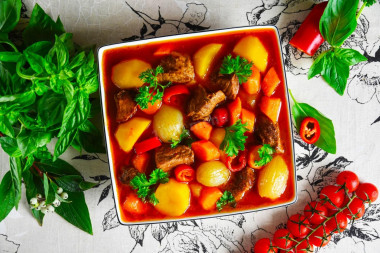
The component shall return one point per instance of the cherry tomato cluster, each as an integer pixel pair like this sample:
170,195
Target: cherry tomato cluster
336,205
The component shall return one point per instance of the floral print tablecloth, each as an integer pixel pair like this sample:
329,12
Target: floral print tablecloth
356,116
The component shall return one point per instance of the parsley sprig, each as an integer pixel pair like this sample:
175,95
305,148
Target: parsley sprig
226,199
266,155
234,139
145,188
149,94
185,135
238,65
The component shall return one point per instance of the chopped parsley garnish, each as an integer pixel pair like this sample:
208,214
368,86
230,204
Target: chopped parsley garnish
185,135
226,199
234,139
266,154
149,94
240,66
145,188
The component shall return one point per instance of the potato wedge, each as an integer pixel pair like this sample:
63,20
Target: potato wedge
129,132
204,57
125,74
173,197
253,50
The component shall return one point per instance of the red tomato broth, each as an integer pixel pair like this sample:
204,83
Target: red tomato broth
252,199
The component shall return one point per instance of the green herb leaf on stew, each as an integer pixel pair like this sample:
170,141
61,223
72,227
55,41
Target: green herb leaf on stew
226,199
145,188
239,66
184,135
326,140
266,155
234,138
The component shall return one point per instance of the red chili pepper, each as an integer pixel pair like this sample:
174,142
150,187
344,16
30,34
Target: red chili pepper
308,38
184,173
171,94
147,145
238,163
310,130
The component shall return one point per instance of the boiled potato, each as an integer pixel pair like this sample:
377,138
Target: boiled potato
253,50
168,123
173,197
129,132
273,178
204,57
217,136
126,74
213,173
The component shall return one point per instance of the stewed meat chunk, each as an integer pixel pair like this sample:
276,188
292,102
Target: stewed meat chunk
202,103
126,107
177,69
229,84
127,174
241,182
167,158
268,132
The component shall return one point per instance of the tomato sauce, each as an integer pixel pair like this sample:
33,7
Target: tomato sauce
189,46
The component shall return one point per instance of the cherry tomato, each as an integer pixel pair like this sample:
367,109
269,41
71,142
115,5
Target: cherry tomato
184,173
310,130
355,210
338,223
332,196
238,163
349,179
298,225
320,237
219,117
367,192
316,212
264,245
304,247
282,239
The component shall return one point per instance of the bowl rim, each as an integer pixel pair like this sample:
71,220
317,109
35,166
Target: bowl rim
104,48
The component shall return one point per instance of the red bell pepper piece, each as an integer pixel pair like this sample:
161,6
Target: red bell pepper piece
172,92
310,130
238,163
147,145
308,38
184,173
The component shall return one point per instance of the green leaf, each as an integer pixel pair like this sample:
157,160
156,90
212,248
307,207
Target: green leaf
10,56
40,47
10,147
7,196
58,167
349,56
50,108
76,212
266,154
58,54
326,140
239,66
46,186
16,102
41,27
336,73
338,21
33,185
234,138
16,170
64,141
6,126
9,14
84,185
226,199
318,66
5,81
70,183
35,61
92,142
28,141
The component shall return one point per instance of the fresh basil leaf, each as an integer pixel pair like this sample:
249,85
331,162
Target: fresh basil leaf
7,196
35,61
336,73
16,102
76,143
6,126
5,81
76,212
41,48
326,140
50,108
70,183
88,127
28,141
9,14
41,27
16,170
338,21
43,153
68,90
64,141
58,54
40,87
10,147
349,56
77,61
91,85
10,56
92,142
28,163
33,185
58,167
318,66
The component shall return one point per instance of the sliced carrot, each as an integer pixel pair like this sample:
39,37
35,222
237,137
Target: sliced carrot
270,107
249,118
196,189
252,86
270,82
152,108
141,161
205,150
209,196
202,130
134,205
253,156
163,50
234,109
